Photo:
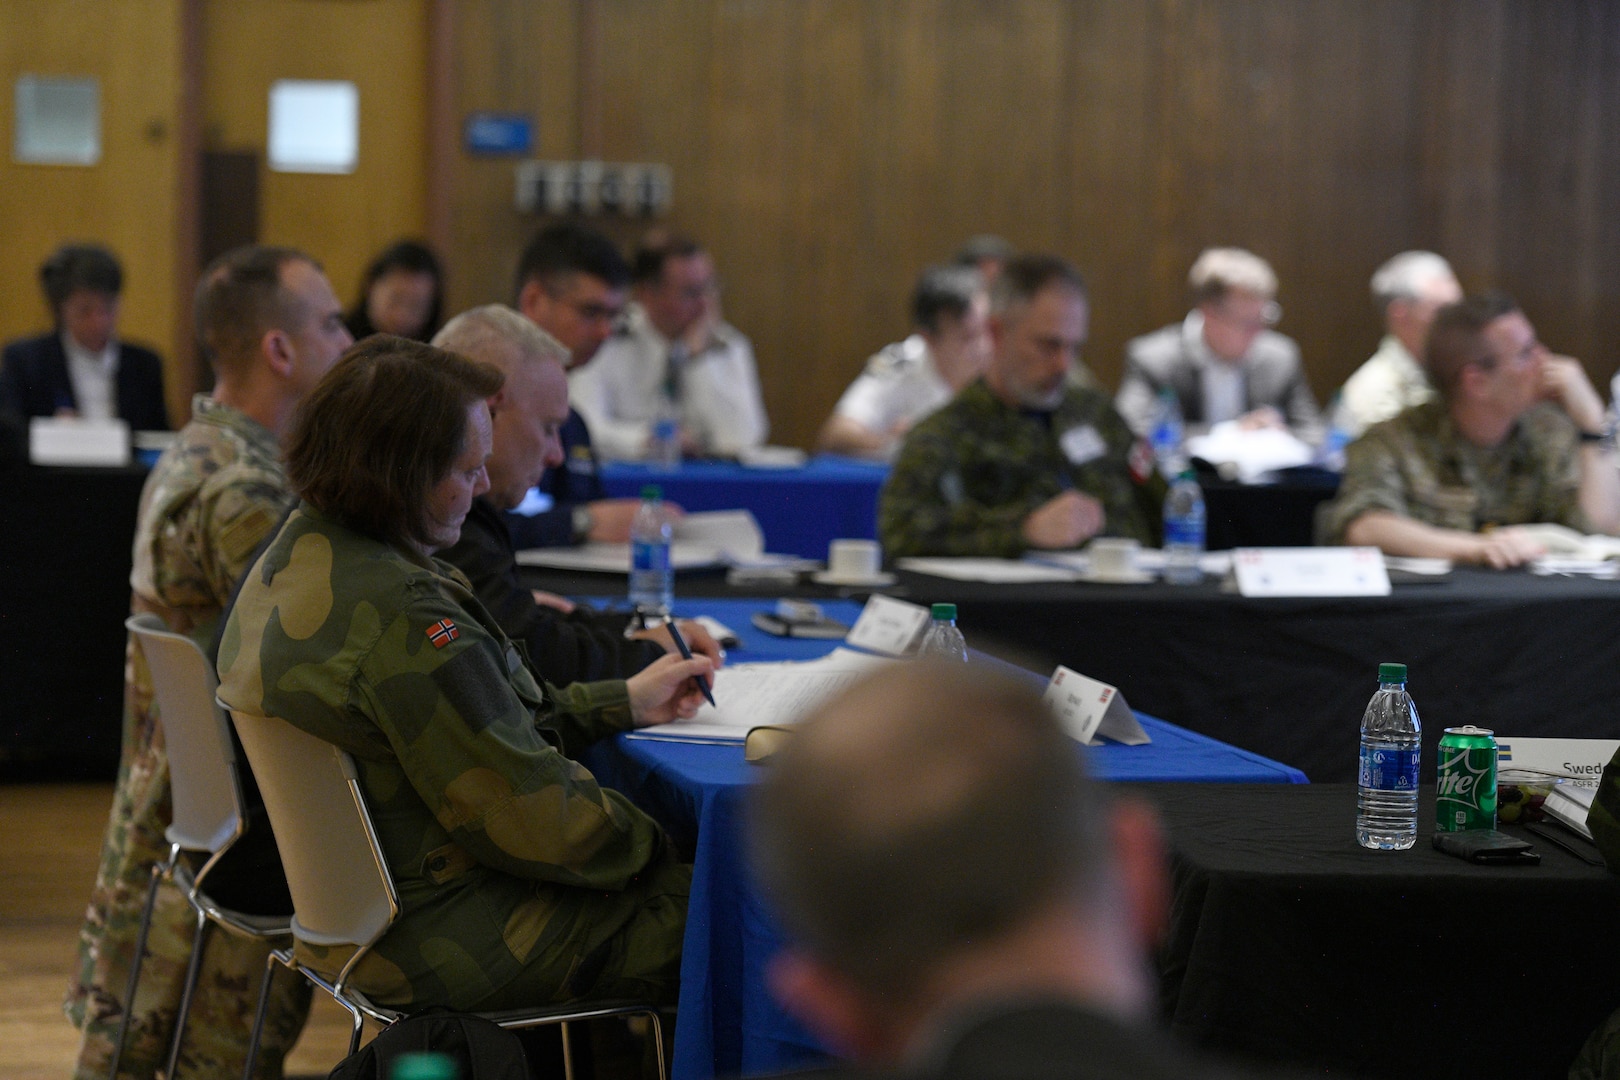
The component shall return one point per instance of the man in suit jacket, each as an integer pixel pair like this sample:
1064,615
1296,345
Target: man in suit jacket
964,901
80,368
1221,362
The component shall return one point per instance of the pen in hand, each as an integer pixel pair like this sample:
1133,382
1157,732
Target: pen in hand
686,654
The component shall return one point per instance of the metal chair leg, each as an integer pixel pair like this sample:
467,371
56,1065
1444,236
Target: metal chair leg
568,1052
186,991
159,871
258,1015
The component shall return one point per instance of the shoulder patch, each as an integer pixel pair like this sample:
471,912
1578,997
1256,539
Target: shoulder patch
443,633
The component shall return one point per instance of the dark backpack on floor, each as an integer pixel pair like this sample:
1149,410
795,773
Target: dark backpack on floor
481,1049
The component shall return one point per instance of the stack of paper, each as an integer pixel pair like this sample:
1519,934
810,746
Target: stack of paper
749,695
702,540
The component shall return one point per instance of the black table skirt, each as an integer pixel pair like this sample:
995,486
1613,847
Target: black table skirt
1291,943
1289,679
65,536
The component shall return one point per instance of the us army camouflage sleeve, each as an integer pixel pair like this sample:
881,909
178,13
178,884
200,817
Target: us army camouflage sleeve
235,517
1373,480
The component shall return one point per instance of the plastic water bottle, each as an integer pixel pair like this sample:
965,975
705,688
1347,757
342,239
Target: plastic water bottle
943,640
1387,796
1330,455
664,444
1166,435
1184,522
652,576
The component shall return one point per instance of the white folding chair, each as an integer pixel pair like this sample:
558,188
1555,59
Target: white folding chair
208,815
343,893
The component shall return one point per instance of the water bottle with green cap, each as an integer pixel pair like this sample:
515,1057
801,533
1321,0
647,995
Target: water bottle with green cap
1387,784
652,575
943,640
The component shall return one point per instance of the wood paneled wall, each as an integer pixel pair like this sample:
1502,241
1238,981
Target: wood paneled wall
129,200
379,45
828,149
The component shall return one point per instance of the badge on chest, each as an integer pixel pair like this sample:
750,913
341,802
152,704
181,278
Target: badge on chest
1082,444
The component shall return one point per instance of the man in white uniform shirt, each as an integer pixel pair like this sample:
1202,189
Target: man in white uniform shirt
675,359
1408,289
909,379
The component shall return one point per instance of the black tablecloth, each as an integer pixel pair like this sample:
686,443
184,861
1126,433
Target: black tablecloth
65,537
1290,942
1282,514
1289,679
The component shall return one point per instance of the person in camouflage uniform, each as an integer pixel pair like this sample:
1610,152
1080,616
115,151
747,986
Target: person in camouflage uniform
1023,458
1517,437
521,881
210,502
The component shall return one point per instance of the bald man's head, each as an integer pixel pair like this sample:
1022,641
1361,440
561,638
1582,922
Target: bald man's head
930,806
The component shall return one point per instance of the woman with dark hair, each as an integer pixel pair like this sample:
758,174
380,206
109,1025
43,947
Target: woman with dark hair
521,880
402,294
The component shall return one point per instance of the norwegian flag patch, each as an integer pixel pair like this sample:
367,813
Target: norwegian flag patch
442,633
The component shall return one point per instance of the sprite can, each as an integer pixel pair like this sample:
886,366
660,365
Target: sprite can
1466,794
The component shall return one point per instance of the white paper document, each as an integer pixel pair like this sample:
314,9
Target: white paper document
1253,452
749,695
1087,707
1562,541
1000,571
709,538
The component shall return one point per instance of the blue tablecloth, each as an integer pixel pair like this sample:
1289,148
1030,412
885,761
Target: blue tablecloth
799,510
728,1023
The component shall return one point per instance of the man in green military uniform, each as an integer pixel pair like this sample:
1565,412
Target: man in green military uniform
521,881
1516,437
1023,458
272,327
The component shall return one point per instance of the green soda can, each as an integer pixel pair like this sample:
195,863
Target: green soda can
1466,794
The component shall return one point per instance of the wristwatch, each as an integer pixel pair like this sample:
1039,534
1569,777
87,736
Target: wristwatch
583,520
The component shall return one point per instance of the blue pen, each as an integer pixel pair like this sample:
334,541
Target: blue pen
686,654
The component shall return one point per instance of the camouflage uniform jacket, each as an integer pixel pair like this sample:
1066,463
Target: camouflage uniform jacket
493,836
1418,466
969,475
210,501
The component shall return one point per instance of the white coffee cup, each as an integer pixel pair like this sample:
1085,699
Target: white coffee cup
854,560
1113,557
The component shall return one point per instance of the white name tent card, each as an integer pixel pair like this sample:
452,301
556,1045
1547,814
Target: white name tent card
889,626
1579,760
1088,708
56,440
1324,571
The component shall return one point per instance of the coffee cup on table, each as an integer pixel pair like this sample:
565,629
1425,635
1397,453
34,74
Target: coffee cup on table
1113,557
854,560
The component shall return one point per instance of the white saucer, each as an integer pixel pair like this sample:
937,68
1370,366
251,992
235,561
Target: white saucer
1130,577
827,577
